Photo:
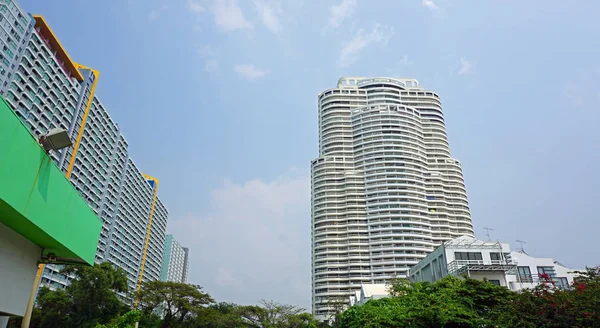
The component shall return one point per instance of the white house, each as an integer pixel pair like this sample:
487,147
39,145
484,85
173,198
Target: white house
492,261
533,270
466,256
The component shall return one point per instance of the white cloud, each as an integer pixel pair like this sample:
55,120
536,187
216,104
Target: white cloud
338,13
430,4
250,72
350,50
253,241
211,66
229,16
195,7
207,50
155,13
465,67
270,13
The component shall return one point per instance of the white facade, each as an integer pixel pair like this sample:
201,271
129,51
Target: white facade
175,261
385,190
369,292
18,265
466,256
492,261
530,272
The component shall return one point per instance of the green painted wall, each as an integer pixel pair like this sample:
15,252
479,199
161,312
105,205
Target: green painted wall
37,201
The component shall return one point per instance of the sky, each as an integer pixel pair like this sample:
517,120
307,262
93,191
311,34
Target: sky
218,100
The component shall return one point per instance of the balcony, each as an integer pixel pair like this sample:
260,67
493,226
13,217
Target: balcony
37,201
458,268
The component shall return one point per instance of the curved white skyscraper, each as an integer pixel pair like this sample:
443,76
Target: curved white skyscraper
385,190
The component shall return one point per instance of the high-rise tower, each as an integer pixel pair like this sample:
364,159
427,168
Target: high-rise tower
385,190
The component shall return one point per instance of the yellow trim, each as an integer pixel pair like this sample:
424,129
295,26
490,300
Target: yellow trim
47,32
139,284
83,119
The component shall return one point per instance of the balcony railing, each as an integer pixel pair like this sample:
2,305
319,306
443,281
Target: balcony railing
459,267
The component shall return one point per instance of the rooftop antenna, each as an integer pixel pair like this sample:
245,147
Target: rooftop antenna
487,232
522,242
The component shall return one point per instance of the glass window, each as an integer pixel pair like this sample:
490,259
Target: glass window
495,282
468,256
524,274
495,256
562,282
546,270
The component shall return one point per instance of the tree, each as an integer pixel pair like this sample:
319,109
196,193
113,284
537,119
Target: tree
175,300
219,315
94,293
548,306
450,302
55,308
338,305
127,320
275,315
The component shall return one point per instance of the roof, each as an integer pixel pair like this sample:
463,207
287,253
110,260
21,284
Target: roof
370,290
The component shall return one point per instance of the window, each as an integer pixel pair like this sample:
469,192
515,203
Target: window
468,256
495,256
495,282
562,283
524,274
546,270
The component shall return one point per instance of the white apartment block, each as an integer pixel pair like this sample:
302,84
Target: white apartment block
385,189
493,261
175,261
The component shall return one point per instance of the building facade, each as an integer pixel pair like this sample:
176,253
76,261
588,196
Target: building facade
466,256
531,271
385,189
175,261
492,261
47,89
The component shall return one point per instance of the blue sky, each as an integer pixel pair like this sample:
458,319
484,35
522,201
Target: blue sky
218,99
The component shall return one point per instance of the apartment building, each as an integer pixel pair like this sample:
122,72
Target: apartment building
47,89
175,261
385,189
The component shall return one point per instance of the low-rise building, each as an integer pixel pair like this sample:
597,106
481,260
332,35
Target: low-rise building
466,256
533,270
492,261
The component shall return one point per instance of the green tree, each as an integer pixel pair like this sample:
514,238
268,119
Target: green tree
94,293
126,320
219,315
275,315
548,306
176,301
55,308
450,302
